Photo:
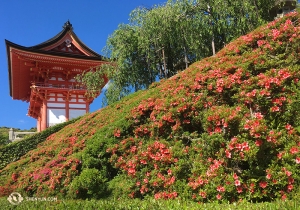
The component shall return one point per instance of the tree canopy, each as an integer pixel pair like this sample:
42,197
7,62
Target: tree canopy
160,41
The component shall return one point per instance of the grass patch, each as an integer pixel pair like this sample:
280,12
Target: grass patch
147,204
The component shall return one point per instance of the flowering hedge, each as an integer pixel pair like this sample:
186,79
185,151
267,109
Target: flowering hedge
236,116
15,150
225,129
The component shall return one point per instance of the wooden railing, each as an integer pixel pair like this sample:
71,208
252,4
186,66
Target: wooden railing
59,86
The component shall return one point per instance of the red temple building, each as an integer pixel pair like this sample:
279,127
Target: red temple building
43,75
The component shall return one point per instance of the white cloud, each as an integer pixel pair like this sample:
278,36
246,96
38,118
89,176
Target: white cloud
21,121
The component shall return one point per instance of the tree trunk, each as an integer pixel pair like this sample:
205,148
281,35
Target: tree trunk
165,64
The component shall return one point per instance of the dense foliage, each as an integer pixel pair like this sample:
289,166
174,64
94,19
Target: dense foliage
225,129
160,41
147,204
13,151
4,134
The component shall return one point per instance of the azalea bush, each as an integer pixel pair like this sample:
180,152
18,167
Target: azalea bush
12,152
236,116
227,129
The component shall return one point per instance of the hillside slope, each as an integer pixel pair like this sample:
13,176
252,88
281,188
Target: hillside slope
227,128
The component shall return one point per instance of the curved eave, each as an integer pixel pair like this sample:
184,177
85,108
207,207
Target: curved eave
41,56
54,53
7,43
59,36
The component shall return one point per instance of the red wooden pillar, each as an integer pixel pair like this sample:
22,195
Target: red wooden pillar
87,107
44,116
38,126
67,110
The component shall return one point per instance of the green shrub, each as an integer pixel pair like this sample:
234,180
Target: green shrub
90,184
15,150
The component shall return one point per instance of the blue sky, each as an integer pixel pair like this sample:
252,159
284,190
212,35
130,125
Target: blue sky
31,22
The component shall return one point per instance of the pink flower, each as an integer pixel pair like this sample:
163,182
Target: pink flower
274,109
117,133
202,194
263,184
258,143
261,42
239,189
288,173
258,115
228,154
288,127
220,189
235,176
279,155
283,197
268,176
219,197
297,160
291,180
290,187
143,162
294,150
237,182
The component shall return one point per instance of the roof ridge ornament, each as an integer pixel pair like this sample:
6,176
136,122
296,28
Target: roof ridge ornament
68,25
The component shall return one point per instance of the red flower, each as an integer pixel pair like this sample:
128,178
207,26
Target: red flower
237,182
275,109
117,133
239,189
263,184
290,187
291,180
235,176
143,162
202,194
228,154
279,155
258,143
220,189
294,150
14,176
219,197
288,173
283,197
288,127
297,160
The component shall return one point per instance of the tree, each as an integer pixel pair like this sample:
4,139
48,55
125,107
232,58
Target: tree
159,42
